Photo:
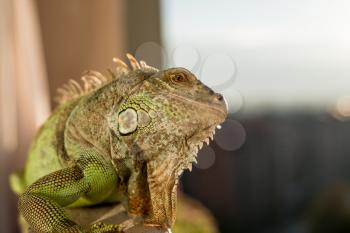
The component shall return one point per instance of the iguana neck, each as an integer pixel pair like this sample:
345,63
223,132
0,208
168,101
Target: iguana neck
87,124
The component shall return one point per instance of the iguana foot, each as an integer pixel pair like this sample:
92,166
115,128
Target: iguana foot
101,227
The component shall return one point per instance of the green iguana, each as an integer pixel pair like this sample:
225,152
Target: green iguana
124,138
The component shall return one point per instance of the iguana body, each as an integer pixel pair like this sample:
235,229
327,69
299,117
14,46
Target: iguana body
125,138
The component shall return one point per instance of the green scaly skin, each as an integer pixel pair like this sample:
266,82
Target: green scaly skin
126,140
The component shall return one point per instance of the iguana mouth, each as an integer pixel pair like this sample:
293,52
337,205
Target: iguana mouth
217,108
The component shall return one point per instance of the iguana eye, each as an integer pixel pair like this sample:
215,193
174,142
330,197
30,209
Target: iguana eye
178,78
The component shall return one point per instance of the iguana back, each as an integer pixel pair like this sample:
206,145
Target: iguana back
46,153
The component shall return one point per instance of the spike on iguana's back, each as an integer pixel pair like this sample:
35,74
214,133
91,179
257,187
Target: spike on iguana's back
93,80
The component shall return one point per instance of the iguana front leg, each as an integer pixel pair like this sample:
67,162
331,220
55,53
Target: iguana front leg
42,202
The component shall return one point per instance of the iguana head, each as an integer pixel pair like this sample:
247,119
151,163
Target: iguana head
165,120
170,111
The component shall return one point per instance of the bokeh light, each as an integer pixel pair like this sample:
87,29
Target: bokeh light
343,106
218,71
206,158
186,56
149,52
231,136
235,100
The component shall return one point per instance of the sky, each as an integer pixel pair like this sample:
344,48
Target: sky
278,54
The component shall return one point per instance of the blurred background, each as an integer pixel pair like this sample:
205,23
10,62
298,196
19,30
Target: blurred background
279,164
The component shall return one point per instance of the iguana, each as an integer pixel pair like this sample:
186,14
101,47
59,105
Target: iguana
126,137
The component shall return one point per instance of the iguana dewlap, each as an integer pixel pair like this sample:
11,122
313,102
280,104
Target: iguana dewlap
127,137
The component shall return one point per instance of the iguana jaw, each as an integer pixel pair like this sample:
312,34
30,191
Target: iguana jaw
214,113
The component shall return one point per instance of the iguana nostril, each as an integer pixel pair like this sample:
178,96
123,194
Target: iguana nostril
219,97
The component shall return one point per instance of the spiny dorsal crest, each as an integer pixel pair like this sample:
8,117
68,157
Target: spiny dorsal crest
93,80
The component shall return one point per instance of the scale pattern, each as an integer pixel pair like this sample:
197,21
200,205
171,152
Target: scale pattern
42,203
